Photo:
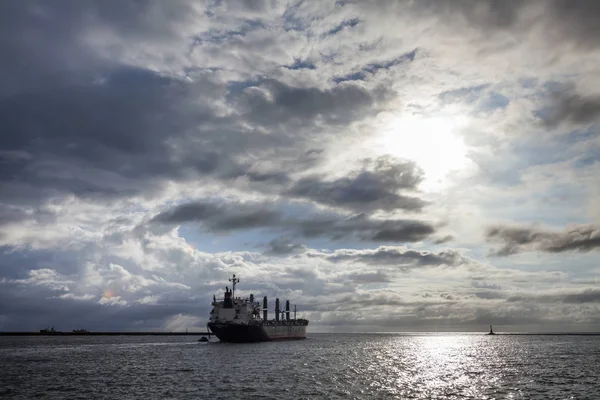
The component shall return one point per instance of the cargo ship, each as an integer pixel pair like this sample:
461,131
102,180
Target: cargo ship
238,320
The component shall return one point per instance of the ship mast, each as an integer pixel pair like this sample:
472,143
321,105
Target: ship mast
233,281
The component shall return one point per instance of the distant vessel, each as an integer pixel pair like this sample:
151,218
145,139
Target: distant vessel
238,320
491,331
48,330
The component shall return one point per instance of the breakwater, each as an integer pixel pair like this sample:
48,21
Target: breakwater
105,333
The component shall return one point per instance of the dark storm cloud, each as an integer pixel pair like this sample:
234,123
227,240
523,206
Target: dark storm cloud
395,256
373,188
42,42
240,216
221,216
104,139
75,123
487,14
586,296
411,231
568,106
364,228
576,19
444,239
284,246
272,103
579,297
514,240
576,22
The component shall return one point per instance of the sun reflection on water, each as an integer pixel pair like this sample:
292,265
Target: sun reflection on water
434,367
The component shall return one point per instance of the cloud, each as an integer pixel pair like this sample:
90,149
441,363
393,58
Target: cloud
128,124
559,20
85,140
365,228
487,15
571,297
351,23
45,277
369,277
373,188
272,103
577,21
485,285
52,43
444,239
402,231
111,290
284,246
226,217
221,217
137,295
396,256
568,106
514,240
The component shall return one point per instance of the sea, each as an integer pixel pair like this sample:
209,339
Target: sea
324,366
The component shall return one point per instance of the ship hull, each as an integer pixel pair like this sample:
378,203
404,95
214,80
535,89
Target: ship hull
241,333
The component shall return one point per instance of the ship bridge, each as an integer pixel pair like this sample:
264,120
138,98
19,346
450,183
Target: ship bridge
235,309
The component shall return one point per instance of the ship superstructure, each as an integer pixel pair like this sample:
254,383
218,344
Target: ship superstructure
236,319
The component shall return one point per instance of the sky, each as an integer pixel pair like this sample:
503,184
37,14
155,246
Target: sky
384,165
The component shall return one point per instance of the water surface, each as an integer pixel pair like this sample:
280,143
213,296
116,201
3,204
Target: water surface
325,366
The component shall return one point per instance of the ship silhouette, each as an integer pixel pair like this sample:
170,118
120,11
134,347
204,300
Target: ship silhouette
236,319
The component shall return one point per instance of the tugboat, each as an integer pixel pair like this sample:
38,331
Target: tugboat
238,320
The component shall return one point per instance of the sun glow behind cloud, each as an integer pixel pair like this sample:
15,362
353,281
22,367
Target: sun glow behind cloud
433,143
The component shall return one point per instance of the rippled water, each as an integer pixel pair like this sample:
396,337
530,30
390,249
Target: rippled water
376,366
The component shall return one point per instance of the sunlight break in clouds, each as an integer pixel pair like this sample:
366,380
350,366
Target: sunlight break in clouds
385,165
433,143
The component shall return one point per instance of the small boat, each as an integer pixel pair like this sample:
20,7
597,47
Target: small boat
203,339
